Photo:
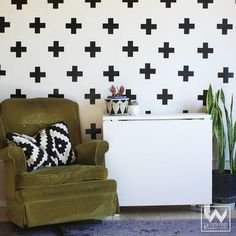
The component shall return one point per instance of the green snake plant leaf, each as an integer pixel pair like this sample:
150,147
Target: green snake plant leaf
234,131
220,138
209,100
230,131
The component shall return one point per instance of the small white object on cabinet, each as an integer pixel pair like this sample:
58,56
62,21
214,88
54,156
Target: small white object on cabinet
160,160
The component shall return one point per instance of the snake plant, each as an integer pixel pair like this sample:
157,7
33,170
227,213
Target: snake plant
224,129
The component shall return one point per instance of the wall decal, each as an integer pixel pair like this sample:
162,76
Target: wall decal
205,50
186,73
93,131
147,71
56,94
18,49
129,95
18,94
74,73
56,49
130,49
224,26
55,3
205,3
37,74
168,2
110,26
186,26
3,24
37,25
164,96
111,73
73,26
92,96
2,72
157,49
225,75
148,26
19,3
202,97
166,50
93,3
130,3
92,49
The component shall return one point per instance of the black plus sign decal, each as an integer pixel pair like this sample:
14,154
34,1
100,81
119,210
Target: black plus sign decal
224,26
186,25
18,3
74,73
148,26
110,26
56,94
3,24
205,50
93,3
168,2
18,94
73,26
185,73
203,97
2,72
225,75
93,131
205,3
55,3
111,73
92,49
56,49
129,95
147,71
164,96
92,96
130,3
18,49
130,49
37,74
166,50
37,25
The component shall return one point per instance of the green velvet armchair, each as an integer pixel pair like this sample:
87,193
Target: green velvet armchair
53,194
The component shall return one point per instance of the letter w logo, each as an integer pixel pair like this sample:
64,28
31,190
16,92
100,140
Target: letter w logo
214,214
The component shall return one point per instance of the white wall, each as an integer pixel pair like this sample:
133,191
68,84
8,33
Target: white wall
185,94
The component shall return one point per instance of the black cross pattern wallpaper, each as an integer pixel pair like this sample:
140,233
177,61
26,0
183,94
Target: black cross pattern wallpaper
165,53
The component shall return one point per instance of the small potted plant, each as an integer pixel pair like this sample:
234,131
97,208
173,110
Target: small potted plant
224,132
133,108
117,103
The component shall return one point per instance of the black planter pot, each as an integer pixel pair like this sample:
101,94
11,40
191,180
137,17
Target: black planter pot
224,187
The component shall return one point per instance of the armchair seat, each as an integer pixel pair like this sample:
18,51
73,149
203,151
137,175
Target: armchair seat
58,175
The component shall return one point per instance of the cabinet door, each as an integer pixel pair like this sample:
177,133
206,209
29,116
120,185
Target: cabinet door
160,162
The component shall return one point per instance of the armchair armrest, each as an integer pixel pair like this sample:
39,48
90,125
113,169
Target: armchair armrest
91,152
14,160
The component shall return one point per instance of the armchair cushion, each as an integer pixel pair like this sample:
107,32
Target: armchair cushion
49,147
59,175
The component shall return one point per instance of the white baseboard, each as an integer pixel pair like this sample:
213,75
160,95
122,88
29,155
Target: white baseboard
3,204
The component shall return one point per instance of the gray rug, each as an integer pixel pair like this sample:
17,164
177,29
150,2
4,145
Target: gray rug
116,228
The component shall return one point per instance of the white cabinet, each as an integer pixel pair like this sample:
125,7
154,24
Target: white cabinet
160,160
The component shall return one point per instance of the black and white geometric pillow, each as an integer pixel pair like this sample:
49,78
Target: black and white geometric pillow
49,147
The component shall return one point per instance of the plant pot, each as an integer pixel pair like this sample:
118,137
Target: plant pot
133,110
224,187
117,105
